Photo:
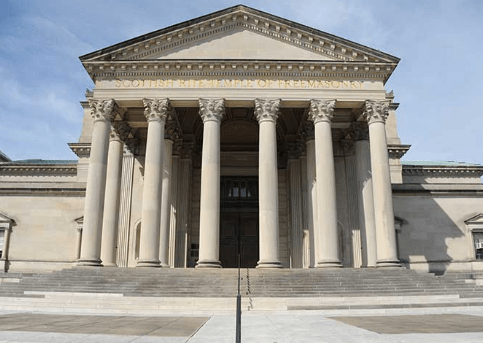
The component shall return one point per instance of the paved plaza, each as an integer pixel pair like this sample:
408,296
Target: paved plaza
429,325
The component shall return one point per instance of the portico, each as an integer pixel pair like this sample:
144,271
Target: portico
310,129
154,236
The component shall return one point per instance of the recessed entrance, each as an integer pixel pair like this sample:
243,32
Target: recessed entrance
239,233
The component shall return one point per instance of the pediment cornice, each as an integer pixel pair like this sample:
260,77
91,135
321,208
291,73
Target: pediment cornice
238,68
329,47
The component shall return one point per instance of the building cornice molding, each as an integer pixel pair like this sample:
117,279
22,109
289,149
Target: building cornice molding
442,171
81,149
32,169
146,69
397,150
43,188
441,189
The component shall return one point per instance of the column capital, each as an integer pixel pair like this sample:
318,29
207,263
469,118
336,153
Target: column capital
376,111
267,109
104,110
321,110
359,131
156,109
120,131
212,109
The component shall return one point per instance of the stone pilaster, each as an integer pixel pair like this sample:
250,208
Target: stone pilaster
321,113
119,133
296,214
103,112
360,133
376,112
156,111
174,210
211,111
267,112
312,223
166,203
183,212
125,204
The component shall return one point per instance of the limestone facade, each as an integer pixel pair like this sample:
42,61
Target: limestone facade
240,137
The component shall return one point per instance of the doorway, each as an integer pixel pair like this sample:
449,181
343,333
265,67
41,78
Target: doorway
239,234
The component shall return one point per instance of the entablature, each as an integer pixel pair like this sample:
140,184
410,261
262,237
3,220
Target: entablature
240,69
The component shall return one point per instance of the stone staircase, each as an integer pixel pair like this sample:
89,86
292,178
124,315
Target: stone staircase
139,290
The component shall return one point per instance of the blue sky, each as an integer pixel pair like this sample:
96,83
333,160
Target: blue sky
439,81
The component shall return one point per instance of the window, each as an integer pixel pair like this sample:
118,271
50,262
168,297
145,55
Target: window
194,251
2,241
478,241
474,227
6,224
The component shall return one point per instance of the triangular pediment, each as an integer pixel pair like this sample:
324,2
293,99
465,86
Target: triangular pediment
4,219
240,44
243,33
477,219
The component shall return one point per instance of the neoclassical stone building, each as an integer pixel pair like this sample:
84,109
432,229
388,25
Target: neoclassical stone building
240,133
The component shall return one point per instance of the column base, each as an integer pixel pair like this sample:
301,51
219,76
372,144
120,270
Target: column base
148,263
388,264
329,264
164,265
95,262
109,264
208,264
269,264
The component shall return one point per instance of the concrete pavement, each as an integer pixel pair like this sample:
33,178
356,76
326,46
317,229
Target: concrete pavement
462,324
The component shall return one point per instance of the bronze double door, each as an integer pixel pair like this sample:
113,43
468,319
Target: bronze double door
239,236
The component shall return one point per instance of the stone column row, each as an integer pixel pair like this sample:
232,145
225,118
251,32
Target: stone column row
212,111
156,111
375,113
267,112
321,113
118,135
103,113
374,187
101,211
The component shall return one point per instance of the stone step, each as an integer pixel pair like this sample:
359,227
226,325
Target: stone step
222,282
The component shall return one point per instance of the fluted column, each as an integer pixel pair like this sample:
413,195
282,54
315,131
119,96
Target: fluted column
103,112
155,111
211,111
360,133
267,112
119,133
166,203
321,112
376,113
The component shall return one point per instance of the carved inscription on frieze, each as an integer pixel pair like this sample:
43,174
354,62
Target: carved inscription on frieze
234,83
